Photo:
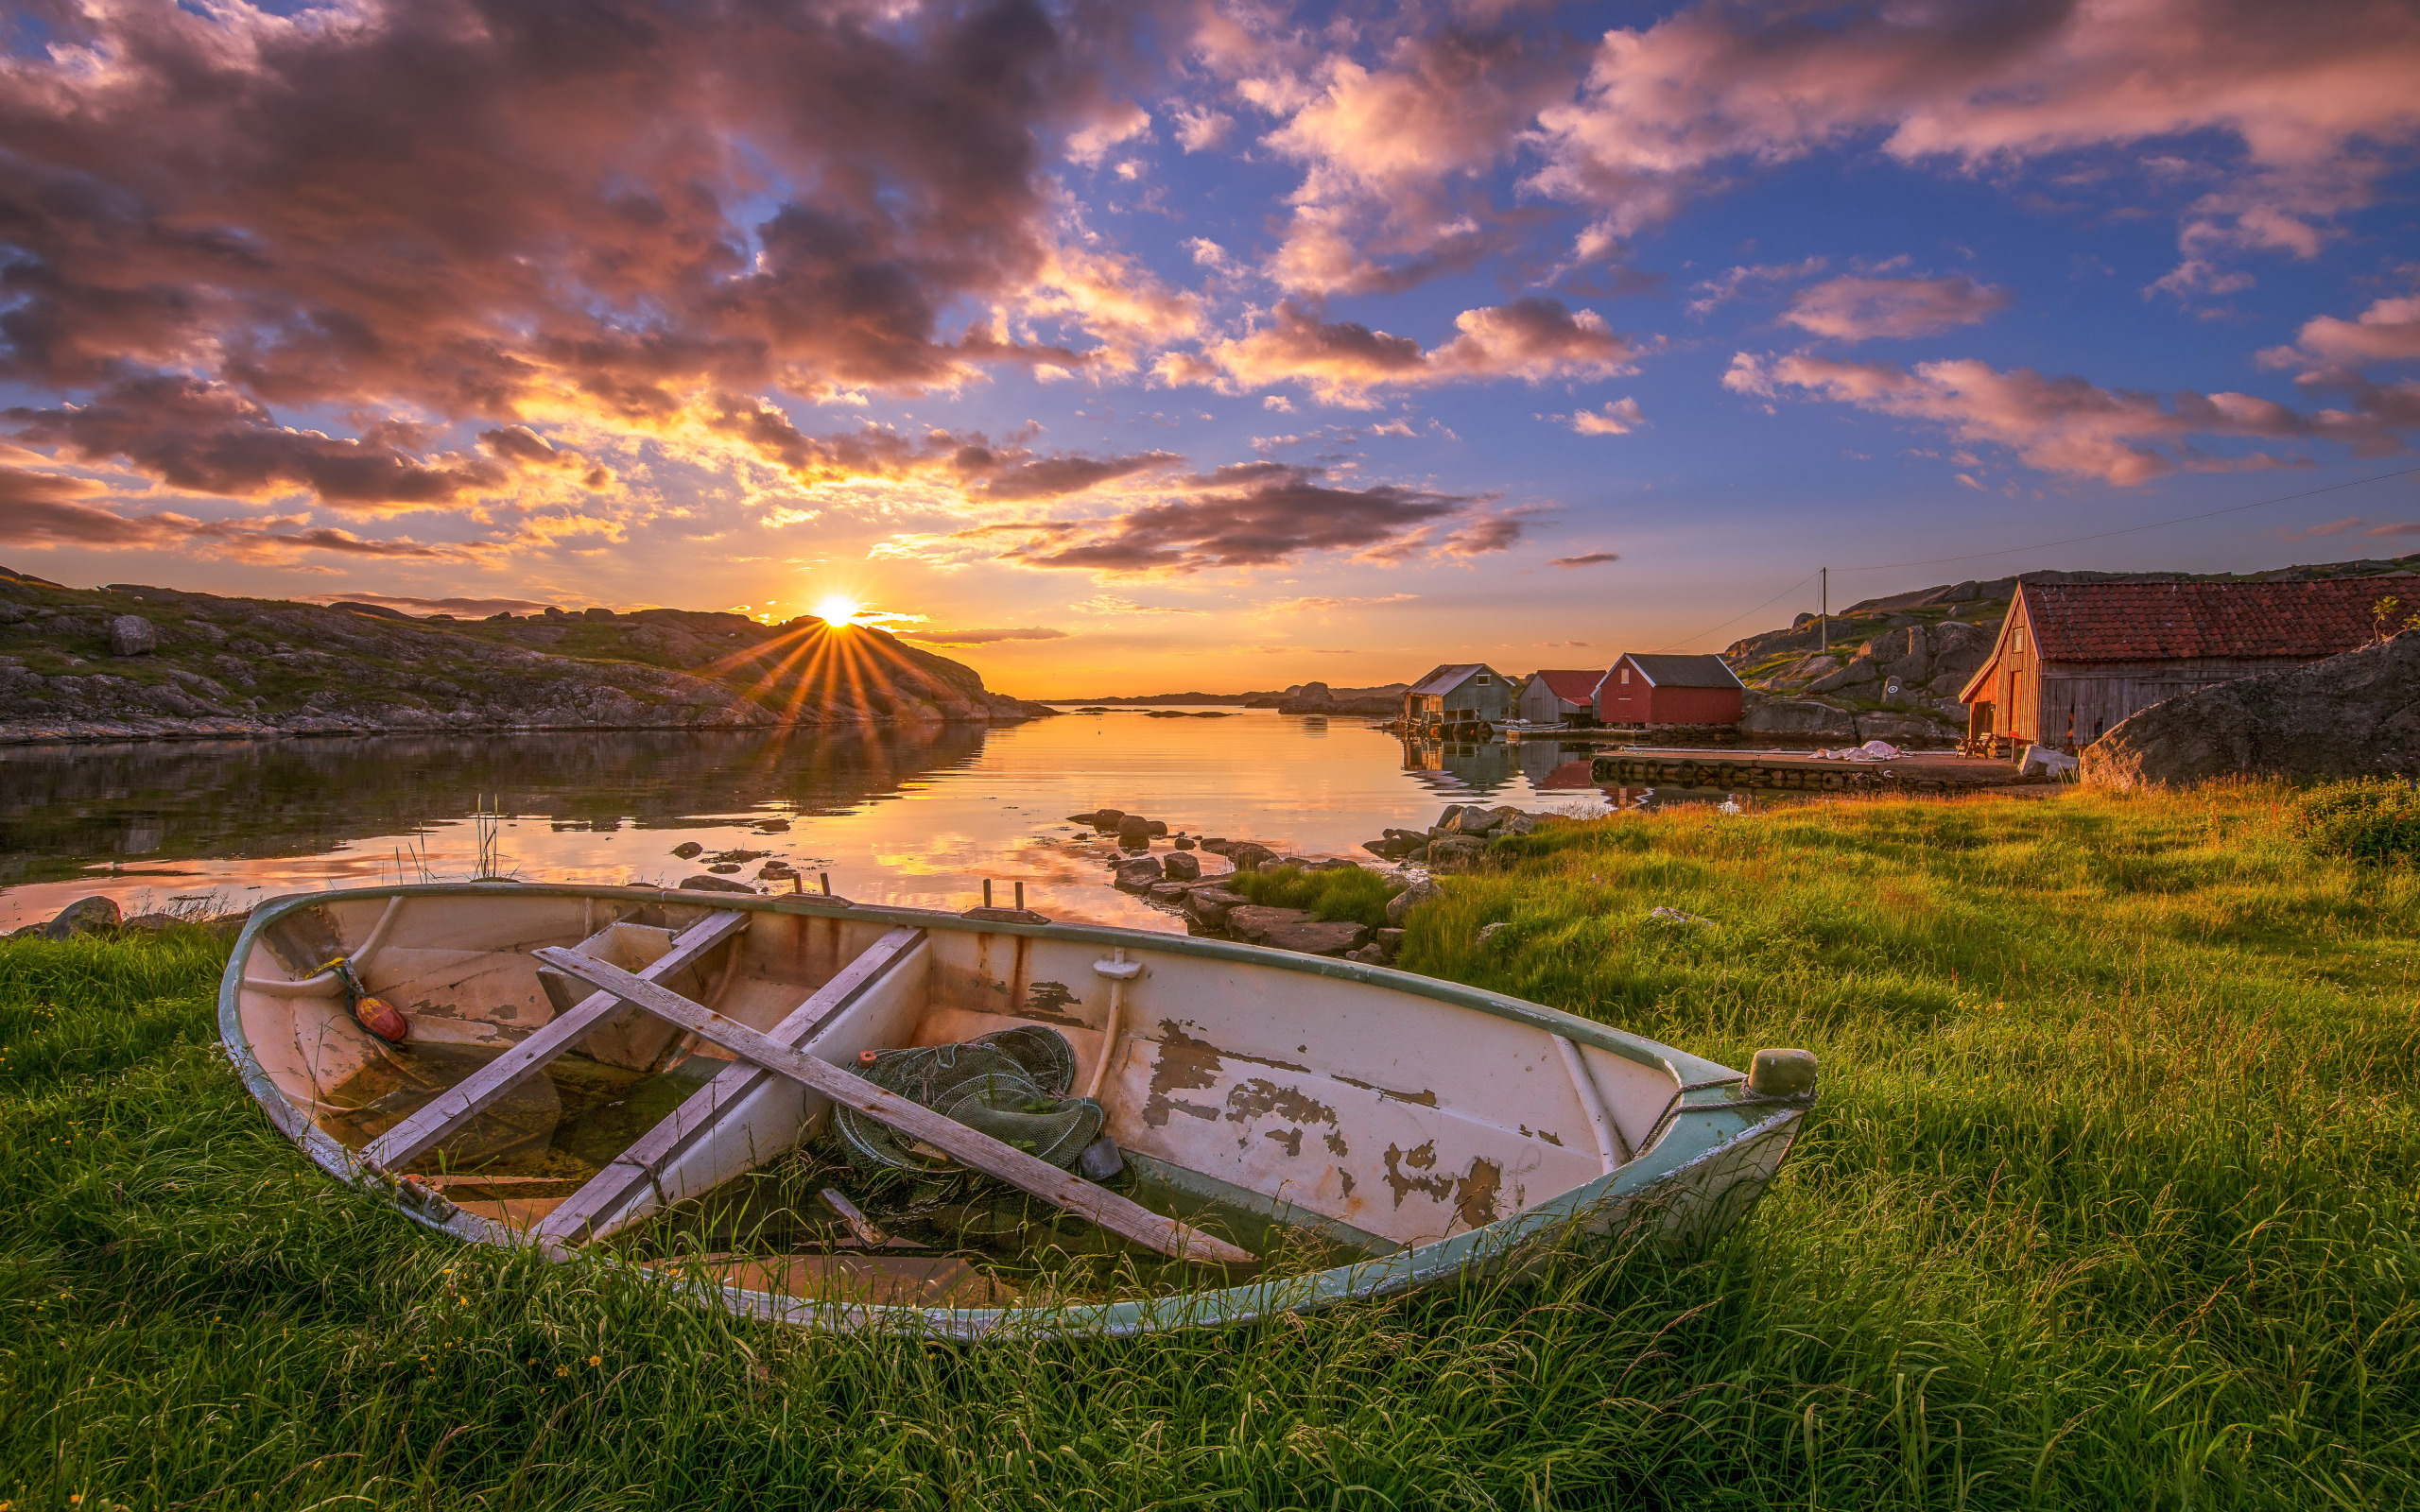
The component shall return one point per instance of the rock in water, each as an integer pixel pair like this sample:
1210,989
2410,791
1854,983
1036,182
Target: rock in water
83,917
132,635
687,849
1249,855
713,884
1138,872
2357,714
1180,867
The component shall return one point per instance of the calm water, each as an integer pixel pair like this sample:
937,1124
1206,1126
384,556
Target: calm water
898,817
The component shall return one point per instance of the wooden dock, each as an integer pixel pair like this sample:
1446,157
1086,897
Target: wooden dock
1923,772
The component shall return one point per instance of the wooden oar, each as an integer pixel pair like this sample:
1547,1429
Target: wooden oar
969,1147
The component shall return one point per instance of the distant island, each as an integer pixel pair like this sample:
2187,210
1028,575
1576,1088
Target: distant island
1301,698
135,662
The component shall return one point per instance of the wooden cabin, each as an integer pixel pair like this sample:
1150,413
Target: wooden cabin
1558,698
1459,692
2074,659
1643,689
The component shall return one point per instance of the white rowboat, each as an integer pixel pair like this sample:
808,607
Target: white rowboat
1415,1129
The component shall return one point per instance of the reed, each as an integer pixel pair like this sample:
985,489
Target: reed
2108,1203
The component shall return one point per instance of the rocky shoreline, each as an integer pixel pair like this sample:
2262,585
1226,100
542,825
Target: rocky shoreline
130,662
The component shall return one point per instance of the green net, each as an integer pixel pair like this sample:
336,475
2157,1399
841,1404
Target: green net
1012,1085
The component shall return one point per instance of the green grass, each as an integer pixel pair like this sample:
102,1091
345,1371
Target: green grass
2375,819
2109,1203
1336,893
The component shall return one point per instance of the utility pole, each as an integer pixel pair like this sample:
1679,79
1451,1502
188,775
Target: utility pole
1824,610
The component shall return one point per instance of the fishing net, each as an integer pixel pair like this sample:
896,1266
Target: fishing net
1012,1085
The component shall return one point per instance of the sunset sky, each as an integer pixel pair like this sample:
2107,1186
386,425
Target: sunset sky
1123,347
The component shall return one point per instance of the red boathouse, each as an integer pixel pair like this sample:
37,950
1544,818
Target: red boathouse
1670,690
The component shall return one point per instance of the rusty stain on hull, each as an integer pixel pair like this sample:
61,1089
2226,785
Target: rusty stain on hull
1260,1096
1419,1157
1474,1194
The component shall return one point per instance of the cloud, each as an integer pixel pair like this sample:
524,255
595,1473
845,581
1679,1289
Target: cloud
501,216
1719,291
981,637
1533,339
1861,309
2387,330
1119,123
1593,559
46,509
1321,602
1392,156
1283,516
1618,418
1113,604
1200,129
207,438
2068,426
2304,100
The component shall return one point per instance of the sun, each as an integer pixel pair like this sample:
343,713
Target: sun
837,612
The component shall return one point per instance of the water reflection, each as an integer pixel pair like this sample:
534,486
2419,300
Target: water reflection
918,817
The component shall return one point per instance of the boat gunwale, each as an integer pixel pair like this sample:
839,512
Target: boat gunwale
1704,1096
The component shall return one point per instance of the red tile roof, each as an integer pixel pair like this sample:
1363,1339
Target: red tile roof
1573,687
2157,622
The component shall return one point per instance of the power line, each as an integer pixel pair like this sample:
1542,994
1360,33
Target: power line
2185,519
1737,618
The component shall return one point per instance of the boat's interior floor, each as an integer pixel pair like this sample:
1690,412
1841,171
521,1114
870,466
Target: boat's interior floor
952,1240
1307,1119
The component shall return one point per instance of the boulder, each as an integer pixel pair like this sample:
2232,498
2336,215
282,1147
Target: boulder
1896,728
1138,872
153,923
1369,955
1510,821
1461,849
1133,830
1107,818
1797,716
1181,866
1388,941
83,917
1293,929
2357,714
1861,670
1170,893
1210,906
1183,842
1248,855
713,884
1422,890
132,635
687,849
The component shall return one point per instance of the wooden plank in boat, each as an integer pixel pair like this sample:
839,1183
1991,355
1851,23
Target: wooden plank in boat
969,1147
424,1130
639,1166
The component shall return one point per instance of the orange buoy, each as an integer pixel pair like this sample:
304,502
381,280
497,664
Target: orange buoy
380,1017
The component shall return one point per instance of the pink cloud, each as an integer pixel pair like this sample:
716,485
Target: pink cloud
1342,361
46,509
2063,425
1861,309
2309,94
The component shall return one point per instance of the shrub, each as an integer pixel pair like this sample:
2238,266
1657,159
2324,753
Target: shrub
1359,893
2371,819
